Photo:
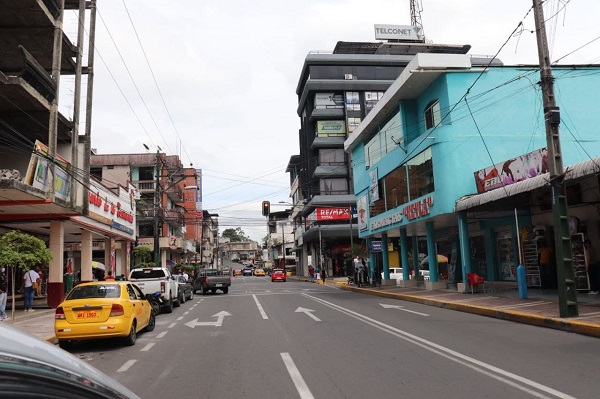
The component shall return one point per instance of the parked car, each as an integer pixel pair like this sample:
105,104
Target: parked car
185,291
278,275
32,368
259,272
395,274
157,279
103,309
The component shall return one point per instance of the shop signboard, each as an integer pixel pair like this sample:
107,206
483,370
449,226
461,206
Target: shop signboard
39,173
512,171
398,32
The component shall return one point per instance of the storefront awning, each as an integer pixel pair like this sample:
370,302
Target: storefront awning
573,172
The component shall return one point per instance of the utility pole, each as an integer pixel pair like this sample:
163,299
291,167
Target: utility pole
156,207
567,294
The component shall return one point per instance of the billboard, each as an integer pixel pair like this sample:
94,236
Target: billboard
339,213
512,171
398,32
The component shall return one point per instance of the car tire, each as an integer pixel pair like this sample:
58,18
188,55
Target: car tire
182,299
132,337
225,290
151,323
169,307
65,344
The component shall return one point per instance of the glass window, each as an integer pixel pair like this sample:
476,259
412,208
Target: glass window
433,115
372,151
333,186
420,174
331,156
396,188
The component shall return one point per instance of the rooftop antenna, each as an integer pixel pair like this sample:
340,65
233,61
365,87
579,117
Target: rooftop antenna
416,6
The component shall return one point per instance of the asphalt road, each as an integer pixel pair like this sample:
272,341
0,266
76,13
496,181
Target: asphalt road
301,340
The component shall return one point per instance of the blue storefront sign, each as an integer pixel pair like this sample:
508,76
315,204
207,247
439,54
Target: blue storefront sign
376,246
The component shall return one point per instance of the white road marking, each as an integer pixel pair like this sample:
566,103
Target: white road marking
299,382
308,313
218,323
126,366
260,308
180,318
162,334
147,347
511,379
386,306
172,325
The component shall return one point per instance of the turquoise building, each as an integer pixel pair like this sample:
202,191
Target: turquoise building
451,164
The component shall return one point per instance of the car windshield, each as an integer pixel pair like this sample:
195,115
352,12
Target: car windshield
95,291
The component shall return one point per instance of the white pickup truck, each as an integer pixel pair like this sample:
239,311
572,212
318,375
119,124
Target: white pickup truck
157,279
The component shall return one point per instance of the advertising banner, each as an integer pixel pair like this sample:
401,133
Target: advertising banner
331,128
341,213
361,206
328,100
39,175
512,171
374,185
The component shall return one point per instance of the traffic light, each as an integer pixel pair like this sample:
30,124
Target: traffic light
266,208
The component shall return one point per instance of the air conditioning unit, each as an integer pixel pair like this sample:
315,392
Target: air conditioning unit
348,76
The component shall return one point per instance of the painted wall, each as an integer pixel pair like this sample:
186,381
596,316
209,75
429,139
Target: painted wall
501,119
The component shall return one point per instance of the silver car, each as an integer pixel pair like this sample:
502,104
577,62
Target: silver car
32,368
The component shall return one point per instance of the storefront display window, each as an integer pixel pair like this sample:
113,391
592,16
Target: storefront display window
506,256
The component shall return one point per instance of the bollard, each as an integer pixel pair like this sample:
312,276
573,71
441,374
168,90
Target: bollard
522,281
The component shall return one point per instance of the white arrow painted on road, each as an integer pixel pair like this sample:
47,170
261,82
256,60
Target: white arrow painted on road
307,311
220,316
386,306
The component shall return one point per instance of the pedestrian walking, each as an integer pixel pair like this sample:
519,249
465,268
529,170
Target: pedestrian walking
311,273
3,292
318,272
323,275
30,284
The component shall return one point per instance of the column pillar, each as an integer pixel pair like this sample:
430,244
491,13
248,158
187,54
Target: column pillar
464,245
86,256
406,281
125,259
385,256
56,286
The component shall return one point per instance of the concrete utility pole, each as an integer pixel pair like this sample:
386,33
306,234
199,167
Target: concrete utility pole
567,294
156,207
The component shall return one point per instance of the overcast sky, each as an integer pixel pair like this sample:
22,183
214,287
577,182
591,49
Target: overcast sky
228,71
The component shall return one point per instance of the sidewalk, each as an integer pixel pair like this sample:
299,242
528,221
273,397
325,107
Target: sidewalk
39,323
540,309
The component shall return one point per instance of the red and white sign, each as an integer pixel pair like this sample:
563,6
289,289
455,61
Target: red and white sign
342,213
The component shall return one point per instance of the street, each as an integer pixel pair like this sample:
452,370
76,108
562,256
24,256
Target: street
296,339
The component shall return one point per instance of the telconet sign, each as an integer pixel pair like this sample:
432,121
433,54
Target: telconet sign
398,32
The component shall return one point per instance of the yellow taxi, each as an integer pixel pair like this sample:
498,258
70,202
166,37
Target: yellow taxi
259,272
103,309
237,272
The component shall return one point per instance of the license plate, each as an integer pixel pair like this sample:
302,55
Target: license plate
219,285
86,315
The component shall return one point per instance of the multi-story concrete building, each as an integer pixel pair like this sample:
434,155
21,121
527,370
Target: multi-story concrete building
335,93
45,182
168,220
452,163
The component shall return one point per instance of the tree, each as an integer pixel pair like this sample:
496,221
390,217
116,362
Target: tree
144,254
23,251
235,235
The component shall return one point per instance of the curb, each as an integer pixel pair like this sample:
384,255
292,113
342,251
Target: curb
575,326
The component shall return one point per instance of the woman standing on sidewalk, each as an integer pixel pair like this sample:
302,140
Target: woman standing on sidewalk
591,267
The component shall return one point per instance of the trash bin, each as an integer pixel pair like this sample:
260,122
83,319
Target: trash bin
68,282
